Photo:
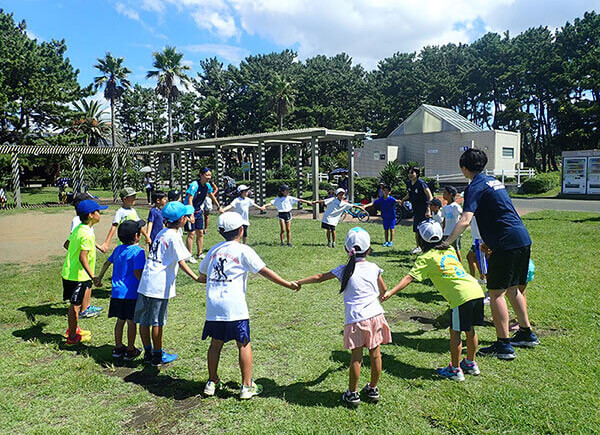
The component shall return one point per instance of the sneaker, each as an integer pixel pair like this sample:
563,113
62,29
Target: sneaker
498,349
390,244
524,339
469,369
248,392
78,339
385,244
192,260
148,356
371,393
118,352
329,244
417,250
333,244
80,331
290,245
159,358
449,372
90,312
486,300
282,244
201,256
351,398
211,387
132,354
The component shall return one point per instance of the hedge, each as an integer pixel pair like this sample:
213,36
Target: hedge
541,183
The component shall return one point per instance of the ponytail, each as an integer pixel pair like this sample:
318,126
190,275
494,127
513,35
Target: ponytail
349,269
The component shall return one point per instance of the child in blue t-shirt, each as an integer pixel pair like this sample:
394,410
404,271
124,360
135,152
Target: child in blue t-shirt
155,218
129,260
387,205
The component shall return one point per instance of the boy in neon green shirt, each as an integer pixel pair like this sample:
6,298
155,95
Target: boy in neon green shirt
78,268
461,290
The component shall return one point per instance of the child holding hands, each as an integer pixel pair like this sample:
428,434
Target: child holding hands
362,286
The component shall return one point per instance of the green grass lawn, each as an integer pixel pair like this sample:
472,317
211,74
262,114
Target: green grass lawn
552,193
298,351
42,195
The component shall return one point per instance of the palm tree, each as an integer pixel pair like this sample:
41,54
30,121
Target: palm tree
282,94
215,111
168,70
89,121
114,79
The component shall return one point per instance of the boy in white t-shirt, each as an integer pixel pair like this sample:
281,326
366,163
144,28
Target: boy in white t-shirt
285,203
125,213
224,269
157,284
335,207
241,205
451,212
436,213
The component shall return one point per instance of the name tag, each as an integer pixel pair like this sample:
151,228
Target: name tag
495,184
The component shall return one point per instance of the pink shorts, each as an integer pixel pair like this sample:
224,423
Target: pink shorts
368,333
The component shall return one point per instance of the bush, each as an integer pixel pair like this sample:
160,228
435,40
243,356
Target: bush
391,174
365,187
541,183
98,177
433,184
273,185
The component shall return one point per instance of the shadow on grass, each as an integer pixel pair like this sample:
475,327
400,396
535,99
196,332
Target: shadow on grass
390,365
50,309
430,345
164,385
425,297
586,220
101,293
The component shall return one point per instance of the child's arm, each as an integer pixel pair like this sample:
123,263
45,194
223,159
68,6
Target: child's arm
187,270
215,201
86,265
263,208
404,282
227,207
272,276
381,285
145,234
149,231
109,237
98,280
138,273
202,278
320,277
304,201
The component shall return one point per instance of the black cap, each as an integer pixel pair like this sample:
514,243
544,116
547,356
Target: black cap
128,229
81,196
451,190
284,187
436,202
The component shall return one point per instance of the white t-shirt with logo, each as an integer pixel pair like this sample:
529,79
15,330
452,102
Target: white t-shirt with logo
334,210
226,267
451,214
158,277
361,296
125,214
242,206
438,217
284,203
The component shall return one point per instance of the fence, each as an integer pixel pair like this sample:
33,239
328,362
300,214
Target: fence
516,173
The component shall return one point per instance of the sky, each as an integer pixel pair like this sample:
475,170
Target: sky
368,30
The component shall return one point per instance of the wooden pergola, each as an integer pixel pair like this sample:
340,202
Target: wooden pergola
298,139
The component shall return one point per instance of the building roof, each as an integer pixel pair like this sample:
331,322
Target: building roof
449,120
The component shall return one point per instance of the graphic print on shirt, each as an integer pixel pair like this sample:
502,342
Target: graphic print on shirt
451,267
218,273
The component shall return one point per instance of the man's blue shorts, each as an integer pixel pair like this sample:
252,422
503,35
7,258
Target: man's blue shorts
198,225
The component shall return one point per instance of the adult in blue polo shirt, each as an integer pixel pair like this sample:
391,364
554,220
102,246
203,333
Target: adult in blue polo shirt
503,231
419,194
195,196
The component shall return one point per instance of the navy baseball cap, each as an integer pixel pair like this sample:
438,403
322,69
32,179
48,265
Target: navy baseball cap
89,206
174,210
436,202
128,229
451,190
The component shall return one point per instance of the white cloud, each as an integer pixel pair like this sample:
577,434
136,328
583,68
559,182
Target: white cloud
128,12
32,35
228,52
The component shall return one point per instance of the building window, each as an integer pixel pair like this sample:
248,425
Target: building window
508,153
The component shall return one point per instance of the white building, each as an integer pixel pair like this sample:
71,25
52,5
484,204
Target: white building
435,137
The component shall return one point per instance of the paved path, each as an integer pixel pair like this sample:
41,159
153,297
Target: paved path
526,205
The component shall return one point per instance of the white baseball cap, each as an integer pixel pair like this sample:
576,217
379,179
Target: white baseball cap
242,187
230,221
430,231
359,239
340,190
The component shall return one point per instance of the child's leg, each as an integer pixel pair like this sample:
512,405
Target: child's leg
355,363
519,304
199,241
119,332
206,215
157,337
328,236
375,356
472,261
131,333
87,300
245,362
333,236
73,318
213,356
288,230
386,234
472,344
455,348
189,241
145,336
391,234
281,229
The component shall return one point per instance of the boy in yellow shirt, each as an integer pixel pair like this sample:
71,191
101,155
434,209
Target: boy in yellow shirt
78,268
460,289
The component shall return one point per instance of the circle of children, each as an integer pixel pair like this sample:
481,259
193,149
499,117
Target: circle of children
142,287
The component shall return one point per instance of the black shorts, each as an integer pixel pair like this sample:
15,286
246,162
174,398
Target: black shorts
245,230
327,226
122,308
417,219
73,291
198,225
285,216
508,268
467,315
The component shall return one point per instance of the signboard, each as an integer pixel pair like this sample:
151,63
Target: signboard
432,151
593,179
376,155
574,178
246,166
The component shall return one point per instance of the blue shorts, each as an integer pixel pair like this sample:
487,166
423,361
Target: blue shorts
198,225
389,222
238,330
150,311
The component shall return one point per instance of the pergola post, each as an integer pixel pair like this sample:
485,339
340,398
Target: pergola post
262,173
80,186
219,173
189,161
124,173
73,161
16,179
181,170
350,145
115,177
299,158
155,165
315,173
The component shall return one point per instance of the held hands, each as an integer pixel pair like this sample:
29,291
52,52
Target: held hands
293,285
103,248
97,281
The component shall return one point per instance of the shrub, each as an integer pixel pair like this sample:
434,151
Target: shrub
273,185
98,177
391,174
365,187
541,183
433,184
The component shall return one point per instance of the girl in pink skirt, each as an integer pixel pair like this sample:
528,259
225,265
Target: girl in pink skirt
362,286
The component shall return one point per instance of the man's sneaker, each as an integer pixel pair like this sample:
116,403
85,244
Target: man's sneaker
90,312
371,393
161,358
132,354
248,392
80,331
148,356
417,250
498,349
524,339
78,339
351,398
192,260
211,387
469,369
118,352
449,372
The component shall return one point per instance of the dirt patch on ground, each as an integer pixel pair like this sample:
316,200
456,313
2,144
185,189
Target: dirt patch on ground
426,320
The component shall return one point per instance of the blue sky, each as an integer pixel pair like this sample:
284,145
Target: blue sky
368,30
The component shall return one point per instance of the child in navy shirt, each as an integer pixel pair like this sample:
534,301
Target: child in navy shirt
387,205
155,218
128,260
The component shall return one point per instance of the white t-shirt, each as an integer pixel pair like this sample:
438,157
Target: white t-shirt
438,217
226,267
361,296
75,223
475,230
242,206
158,277
125,214
451,214
334,210
284,203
